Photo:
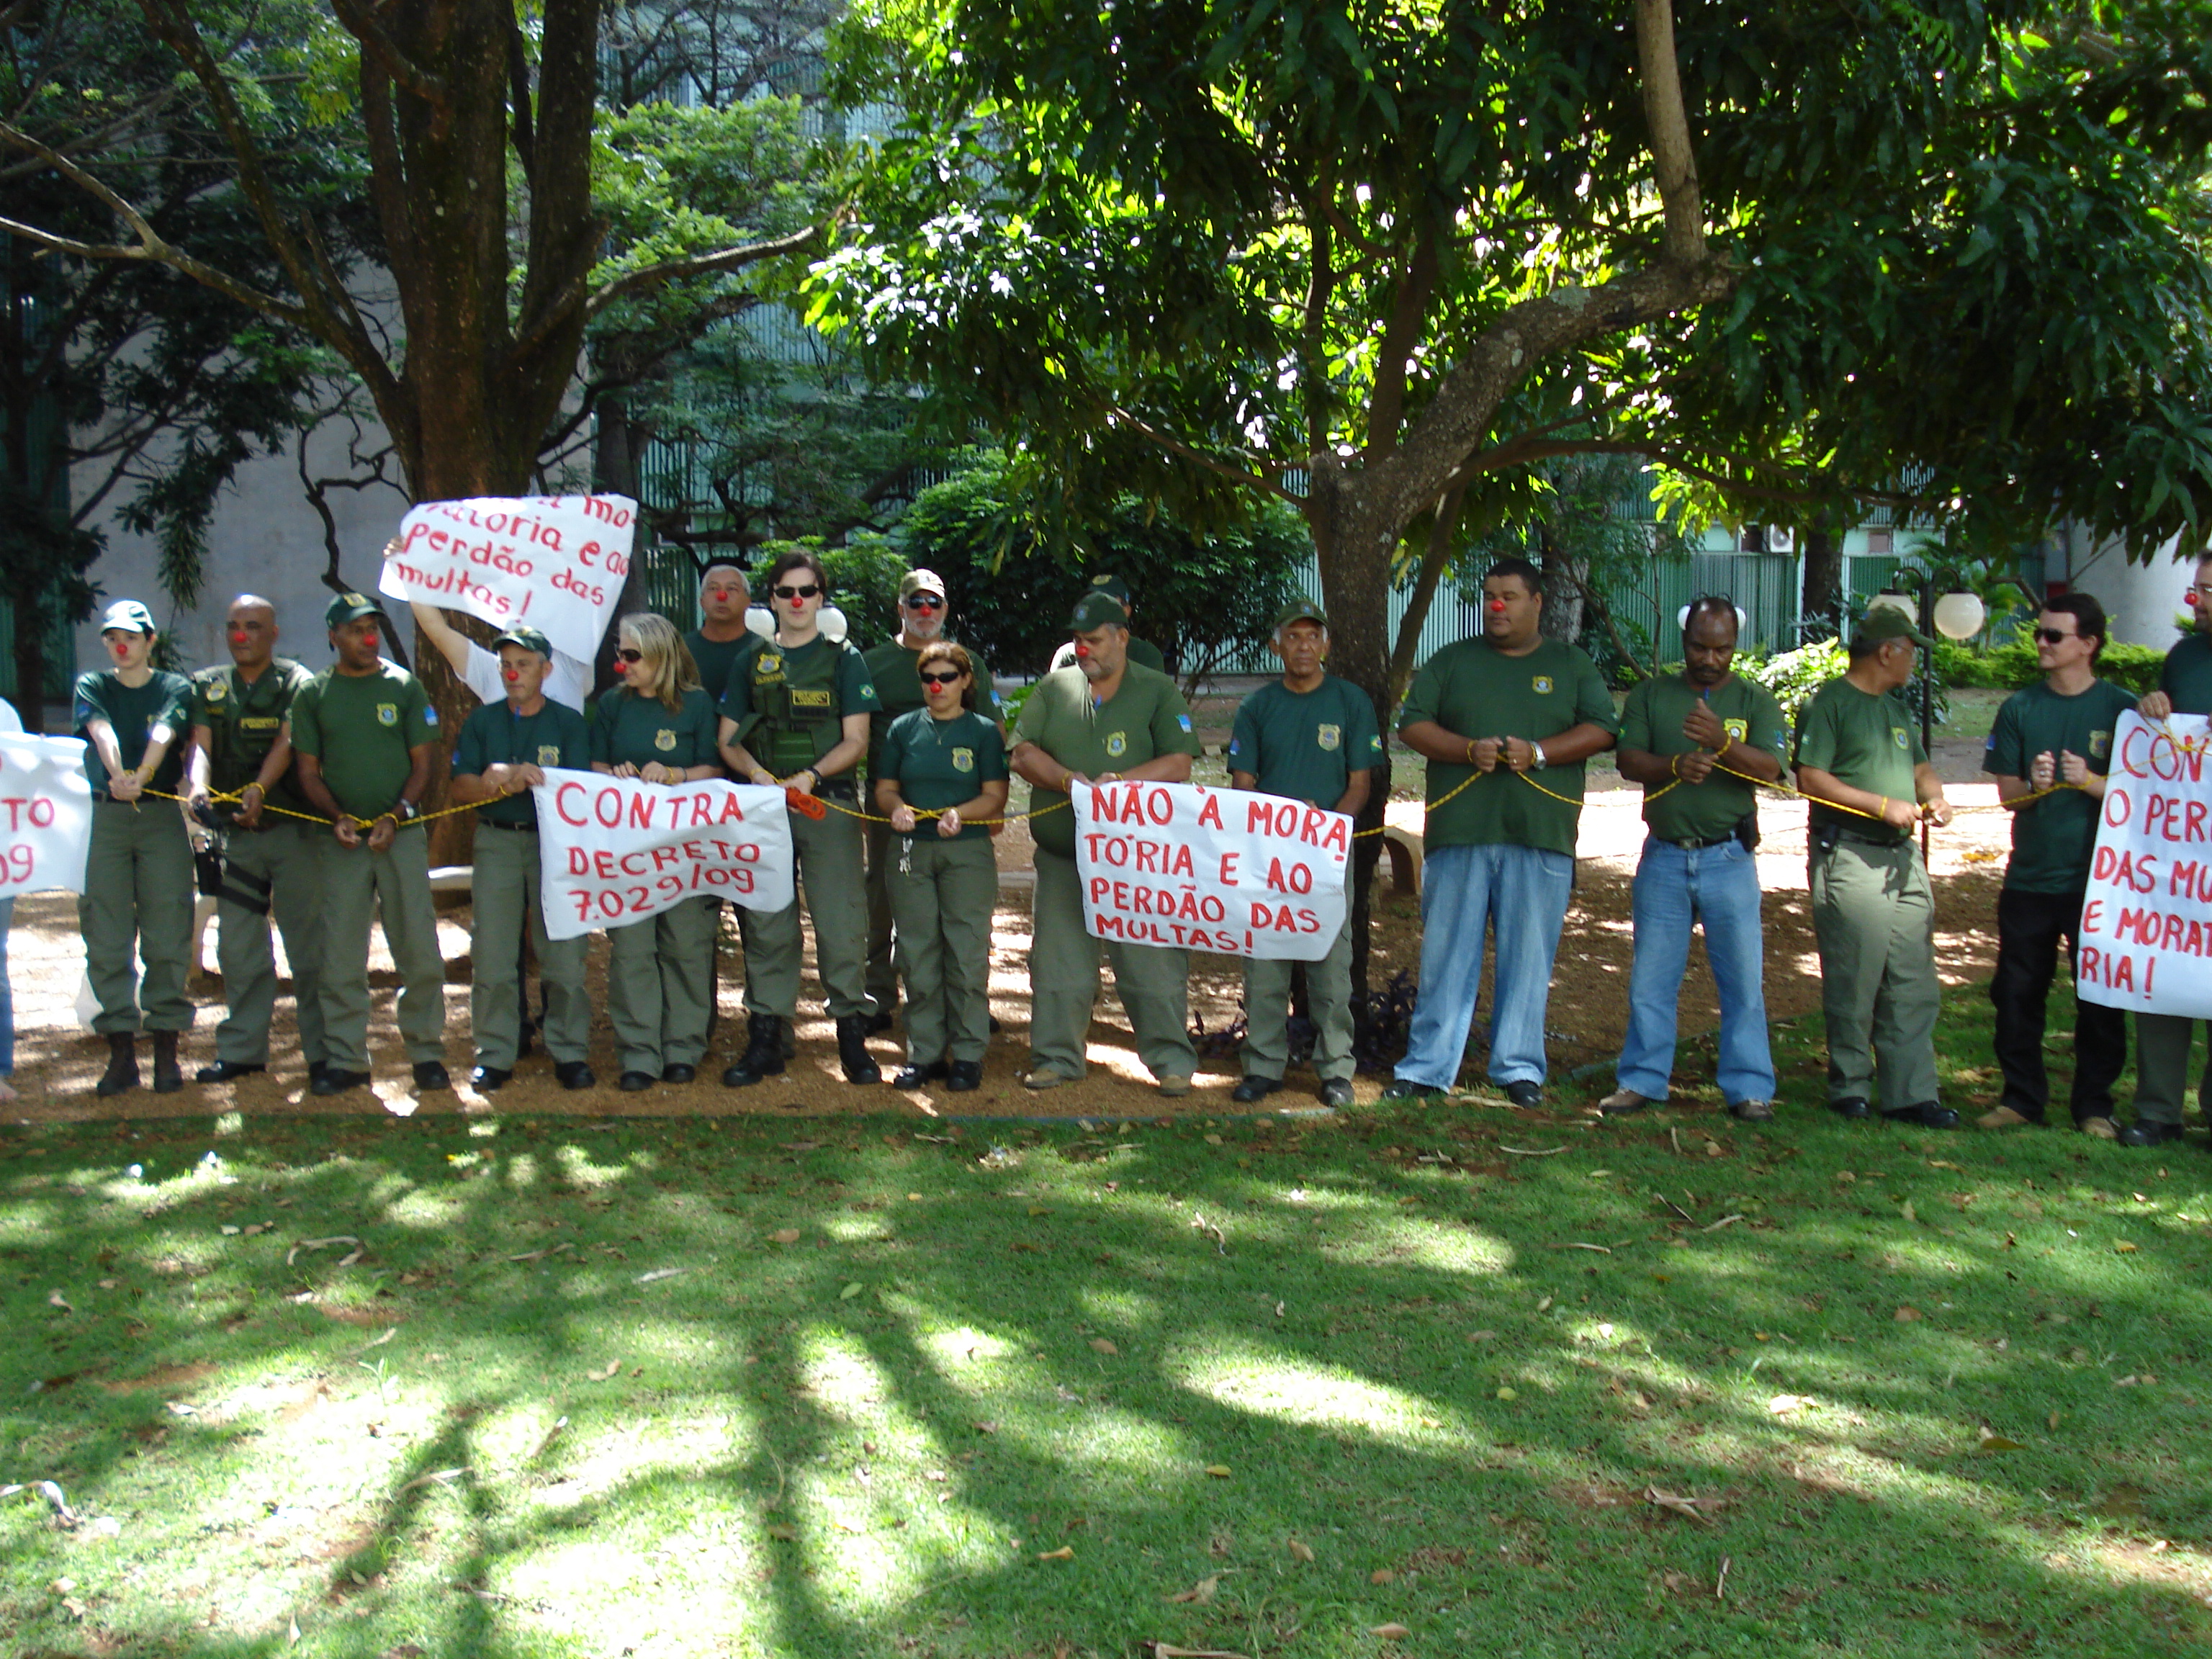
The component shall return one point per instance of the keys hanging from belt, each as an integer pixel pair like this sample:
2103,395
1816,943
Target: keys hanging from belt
906,855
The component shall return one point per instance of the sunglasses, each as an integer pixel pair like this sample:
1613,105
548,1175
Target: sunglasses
923,602
2052,636
942,679
806,592
626,654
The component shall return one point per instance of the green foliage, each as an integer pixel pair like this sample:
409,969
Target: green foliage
1200,597
863,578
1794,676
2011,665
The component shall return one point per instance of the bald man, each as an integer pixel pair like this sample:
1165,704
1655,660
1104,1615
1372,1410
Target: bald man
240,749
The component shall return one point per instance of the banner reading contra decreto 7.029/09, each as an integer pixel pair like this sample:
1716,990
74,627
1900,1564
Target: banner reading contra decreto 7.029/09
2145,940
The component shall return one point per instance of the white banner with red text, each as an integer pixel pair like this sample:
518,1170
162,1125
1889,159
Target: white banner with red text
45,814
1221,870
554,563
2145,940
611,851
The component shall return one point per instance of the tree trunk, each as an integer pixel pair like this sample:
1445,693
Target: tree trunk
30,653
1566,582
1823,601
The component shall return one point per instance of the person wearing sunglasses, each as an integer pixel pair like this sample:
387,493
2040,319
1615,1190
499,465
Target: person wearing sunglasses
1859,759
945,757
795,712
2059,733
2184,686
1105,719
892,669
658,726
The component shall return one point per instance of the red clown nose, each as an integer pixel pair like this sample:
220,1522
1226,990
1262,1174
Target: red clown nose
238,636
1081,649
1498,607
513,675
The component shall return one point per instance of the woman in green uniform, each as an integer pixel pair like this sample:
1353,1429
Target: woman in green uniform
138,873
658,727
943,878
795,712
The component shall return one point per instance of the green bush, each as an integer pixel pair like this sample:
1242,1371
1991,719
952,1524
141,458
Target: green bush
2135,667
2011,667
1794,676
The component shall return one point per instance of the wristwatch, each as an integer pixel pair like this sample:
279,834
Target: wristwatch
404,813
1541,760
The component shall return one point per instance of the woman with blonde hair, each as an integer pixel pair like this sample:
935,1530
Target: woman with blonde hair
658,727
945,759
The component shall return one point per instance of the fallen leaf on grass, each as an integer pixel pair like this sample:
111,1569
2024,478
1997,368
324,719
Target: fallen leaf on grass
1389,1632
612,1366
1908,1212
1166,1651
434,1475
1201,1592
1509,1392
1782,1404
2124,1248
1906,1315
2054,1422
539,1255
784,1531
1992,1441
1382,1575
784,1236
229,1231
1481,1336
1298,1550
1065,1552
1218,1471
1103,1346
657,1274
850,1291
1680,1504
56,1299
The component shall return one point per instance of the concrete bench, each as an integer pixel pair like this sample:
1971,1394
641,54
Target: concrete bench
1404,848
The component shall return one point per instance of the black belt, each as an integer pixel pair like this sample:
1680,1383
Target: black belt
1696,844
511,828
1835,832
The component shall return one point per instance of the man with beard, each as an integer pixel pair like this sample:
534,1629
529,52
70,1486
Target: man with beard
1686,738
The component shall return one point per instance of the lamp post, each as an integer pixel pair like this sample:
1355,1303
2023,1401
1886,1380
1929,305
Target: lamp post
1957,615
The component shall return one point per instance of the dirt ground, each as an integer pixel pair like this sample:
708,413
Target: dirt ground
57,1060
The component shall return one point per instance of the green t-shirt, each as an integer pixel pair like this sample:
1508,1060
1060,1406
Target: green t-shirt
361,727
2187,676
896,672
243,721
1476,690
940,763
2053,838
1146,718
1305,745
821,665
636,730
713,658
1864,740
134,711
1652,721
495,735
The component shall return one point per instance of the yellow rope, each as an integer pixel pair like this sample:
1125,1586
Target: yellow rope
237,798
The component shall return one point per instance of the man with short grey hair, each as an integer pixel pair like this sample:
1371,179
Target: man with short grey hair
724,597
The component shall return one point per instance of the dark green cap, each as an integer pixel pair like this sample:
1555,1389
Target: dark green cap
1107,582
1887,621
528,638
347,607
1300,610
1097,609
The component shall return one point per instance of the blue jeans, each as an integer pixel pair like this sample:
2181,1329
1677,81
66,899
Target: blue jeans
1677,889
1521,894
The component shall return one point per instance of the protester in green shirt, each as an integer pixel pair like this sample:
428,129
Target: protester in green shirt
1860,761
137,898
1698,742
2162,1040
1505,722
944,758
2050,751
724,597
503,752
366,740
893,669
1103,719
1143,652
658,726
1311,737
269,850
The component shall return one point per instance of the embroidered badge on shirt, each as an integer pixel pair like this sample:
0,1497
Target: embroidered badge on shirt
216,691
1541,684
387,714
768,667
2101,745
1330,736
1116,745
963,760
663,740
549,754
1900,737
1737,730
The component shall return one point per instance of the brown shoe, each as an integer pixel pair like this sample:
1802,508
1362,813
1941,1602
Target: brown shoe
2003,1117
2103,1128
1622,1102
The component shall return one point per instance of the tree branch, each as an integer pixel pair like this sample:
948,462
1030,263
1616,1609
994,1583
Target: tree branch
376,44
1672,159
1409,308
1176,446
730,258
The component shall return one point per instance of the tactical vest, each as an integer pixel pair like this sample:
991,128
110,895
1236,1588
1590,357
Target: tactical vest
799,719
244,723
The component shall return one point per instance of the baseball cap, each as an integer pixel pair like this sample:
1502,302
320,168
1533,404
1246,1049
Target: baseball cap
129,614
347,607
1887,621
528,638
921,582
1107,582
1301,610
1097,609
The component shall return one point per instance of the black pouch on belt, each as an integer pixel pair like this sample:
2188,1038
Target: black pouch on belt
219,879
1826,835
1746,831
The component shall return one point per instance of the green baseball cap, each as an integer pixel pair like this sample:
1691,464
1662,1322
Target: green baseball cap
1097,609
128,614
921,582
1300,610
1107,582
528,638
347,607
1887,621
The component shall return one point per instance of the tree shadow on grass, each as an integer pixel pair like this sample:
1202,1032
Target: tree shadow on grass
1355,1373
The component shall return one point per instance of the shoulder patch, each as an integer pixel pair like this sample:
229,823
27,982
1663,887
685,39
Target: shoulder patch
429,714
216,691
1183,721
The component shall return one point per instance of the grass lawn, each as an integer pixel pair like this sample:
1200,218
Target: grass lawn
1263,1387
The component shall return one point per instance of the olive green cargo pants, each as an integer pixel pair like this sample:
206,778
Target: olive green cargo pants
283,855
1329,998
660,985
137,904
1875,917
504,892
943,893
884,968
356,884
1153,981
827,851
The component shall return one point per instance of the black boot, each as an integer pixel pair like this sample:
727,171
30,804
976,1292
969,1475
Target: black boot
852,1049
168,1076
763,1054
122,1070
